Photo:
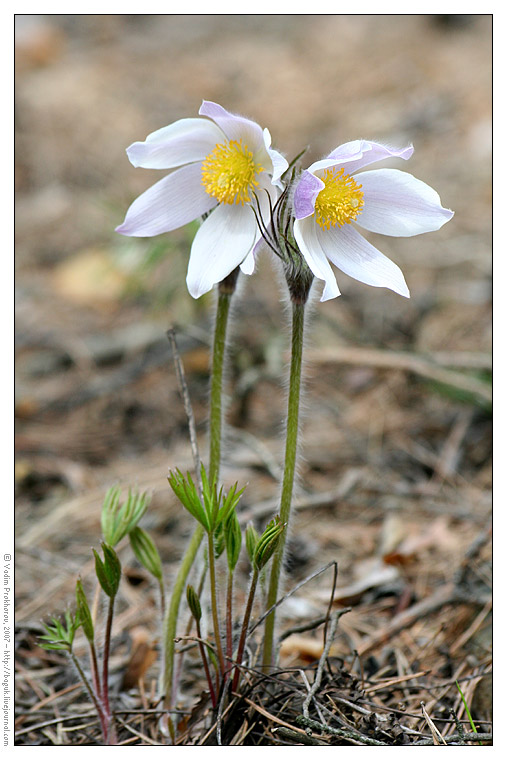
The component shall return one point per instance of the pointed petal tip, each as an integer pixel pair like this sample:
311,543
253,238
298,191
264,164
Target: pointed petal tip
329,296
194,290
130,151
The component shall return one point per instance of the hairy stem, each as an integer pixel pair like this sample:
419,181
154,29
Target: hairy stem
171,617
95,698
214,604
95,670
217,371
204,659
225,293
298,317
228,629
244,628
111,734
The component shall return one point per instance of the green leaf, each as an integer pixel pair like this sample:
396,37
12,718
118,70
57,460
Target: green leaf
83,612
108,571
118,520
146,552
185,490
232,531
219,541
268,542
110,507
230,503
60,634
210,498
194,603
251,541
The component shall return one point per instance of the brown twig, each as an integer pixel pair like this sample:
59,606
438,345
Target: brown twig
344,733
407,362
187,404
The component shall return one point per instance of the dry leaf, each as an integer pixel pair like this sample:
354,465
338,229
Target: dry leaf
143,654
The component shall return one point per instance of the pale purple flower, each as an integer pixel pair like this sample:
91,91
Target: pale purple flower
331,194
220,162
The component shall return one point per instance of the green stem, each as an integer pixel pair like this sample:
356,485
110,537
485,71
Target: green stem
225,293
217,370
171,617
95,670
205,665
162,597
298,317
111,733
214,604
95,698
228,630
244,629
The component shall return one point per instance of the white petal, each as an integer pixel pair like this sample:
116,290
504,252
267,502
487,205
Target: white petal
221,244
305,234
182,142
355,256
398,204
248,265
235,127
279,163
172,202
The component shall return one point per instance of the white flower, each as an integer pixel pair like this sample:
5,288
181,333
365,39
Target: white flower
223,160
331,194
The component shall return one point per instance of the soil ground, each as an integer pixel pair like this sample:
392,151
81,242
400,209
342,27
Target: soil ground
395,472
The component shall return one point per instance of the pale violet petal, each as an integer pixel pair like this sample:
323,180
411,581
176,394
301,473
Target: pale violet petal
235,127
347,152
222,243
370,153
305,234
305,194
398,204
355,256
354,155
172,202
182,142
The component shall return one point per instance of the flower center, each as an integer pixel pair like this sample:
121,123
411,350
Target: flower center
229,172
340,201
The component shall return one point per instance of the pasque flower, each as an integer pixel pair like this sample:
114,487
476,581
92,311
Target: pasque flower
331,194
220,162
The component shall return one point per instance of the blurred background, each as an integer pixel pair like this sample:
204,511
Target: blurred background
397,439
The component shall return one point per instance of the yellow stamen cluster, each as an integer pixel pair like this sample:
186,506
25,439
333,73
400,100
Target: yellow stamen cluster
229,173
340,201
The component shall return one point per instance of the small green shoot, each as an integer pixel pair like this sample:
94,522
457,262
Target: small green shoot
469,716
60,633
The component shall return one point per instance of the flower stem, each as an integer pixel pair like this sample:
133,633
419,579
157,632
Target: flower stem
96,698
214,604
244,629
111,734
298,317
228,630
171,617
205,665
217,371
95,670
225,292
